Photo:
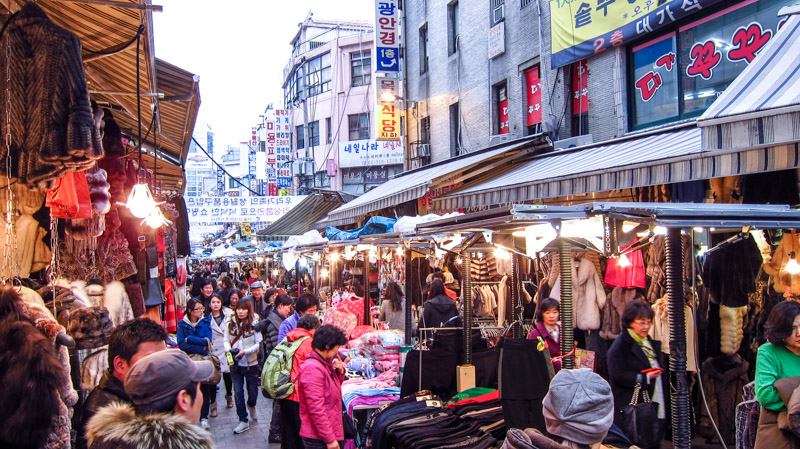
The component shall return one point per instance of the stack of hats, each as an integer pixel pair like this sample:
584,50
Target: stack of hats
90,327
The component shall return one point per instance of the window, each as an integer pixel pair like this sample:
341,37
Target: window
233,183
423,48
425,130
498,11
452,27
360,68
533,95
524,3
580,98
359,126
313,137
328,127
317,81
679,74
455,130
501,112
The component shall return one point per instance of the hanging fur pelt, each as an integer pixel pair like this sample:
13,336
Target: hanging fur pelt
30,372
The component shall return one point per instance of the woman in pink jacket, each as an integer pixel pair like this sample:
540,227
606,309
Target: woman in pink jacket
321,378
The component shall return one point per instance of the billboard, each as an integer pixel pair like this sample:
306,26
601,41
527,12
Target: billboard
223,209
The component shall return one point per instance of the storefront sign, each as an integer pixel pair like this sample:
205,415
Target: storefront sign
582,28
533,88
234,210
502,108
365,175
388,122
220,181
331,167
387,36
497,40
283,151
580,87
425,203
362,153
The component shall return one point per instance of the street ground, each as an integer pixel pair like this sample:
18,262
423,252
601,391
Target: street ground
255,438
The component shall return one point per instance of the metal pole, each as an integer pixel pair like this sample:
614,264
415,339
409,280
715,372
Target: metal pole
515,315
467,295
366,289
306,131
565,312
408,287
677,341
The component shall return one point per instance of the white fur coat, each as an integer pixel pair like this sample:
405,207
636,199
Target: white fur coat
588,296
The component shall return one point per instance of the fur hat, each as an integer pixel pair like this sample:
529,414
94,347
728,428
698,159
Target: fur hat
579,406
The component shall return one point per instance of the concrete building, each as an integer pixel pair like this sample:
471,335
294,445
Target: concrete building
201,173
338,98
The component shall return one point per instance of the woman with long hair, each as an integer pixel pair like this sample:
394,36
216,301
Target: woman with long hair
393,307
243,342
194,337
356,288
220,317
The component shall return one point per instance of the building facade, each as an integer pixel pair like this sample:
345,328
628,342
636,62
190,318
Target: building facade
201,174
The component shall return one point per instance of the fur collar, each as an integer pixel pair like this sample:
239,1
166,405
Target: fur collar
119,424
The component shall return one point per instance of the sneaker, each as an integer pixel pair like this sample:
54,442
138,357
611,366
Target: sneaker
214,410
204,424
252,410
241,427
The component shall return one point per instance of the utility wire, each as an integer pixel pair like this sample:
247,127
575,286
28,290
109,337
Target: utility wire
223,169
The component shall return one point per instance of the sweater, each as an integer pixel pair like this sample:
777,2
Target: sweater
396,319
773,363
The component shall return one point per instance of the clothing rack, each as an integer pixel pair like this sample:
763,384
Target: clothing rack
485,283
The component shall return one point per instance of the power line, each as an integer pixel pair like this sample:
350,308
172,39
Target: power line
223,168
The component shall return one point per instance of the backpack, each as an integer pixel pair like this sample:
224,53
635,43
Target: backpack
276,376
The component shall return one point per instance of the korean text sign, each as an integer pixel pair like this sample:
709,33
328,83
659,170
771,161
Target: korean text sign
219,209
361,153
582,28
387,36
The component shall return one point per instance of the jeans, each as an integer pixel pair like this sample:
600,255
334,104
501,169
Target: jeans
209,391
311,443
239,374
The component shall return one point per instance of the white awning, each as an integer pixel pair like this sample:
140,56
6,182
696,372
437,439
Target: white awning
762,105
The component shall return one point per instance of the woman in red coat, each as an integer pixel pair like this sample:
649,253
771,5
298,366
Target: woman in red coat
548,329
321,378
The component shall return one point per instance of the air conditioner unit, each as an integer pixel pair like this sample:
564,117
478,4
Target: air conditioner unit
310,170
297,167
572,142
499,13
424,150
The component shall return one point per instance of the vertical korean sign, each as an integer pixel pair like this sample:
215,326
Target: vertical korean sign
387,44
283,151
388,114
502,108
580,87
533,85
272,161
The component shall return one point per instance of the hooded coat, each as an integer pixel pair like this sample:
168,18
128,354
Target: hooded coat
438,310
299,357
192,336
218,337
119,427
588,296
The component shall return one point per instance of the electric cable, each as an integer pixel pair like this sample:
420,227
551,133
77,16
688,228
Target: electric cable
119,47
223,168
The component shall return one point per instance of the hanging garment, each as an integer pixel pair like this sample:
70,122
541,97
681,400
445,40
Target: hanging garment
776,187
732,283
631,276
588,296
524,379
183,246
93,367
731,324
69,197
502,306
723,380
660,330
688,192
170,313
747,414
612,312
784,282
52,127
116,300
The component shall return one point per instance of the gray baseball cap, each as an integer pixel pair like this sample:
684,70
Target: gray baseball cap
257,284
163,374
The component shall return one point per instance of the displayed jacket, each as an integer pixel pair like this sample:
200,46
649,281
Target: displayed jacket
248,344
119,427
553,345
660,330
631,276
438,310
790,243
218,337
321,400
626,361
657,268
731,284
108,391
612,312
588,296
288,324
192,336
724,378
300,356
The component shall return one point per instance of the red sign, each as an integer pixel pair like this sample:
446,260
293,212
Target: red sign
533,86
502,108
273,189
580,87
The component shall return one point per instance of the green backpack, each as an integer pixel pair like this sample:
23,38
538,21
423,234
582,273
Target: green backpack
276,376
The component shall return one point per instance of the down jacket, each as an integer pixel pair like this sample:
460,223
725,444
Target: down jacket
321,400
192,336
588,296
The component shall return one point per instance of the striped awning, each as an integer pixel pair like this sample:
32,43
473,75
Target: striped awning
762,105
302,217
414,184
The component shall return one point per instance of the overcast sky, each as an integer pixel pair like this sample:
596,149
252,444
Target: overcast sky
239,49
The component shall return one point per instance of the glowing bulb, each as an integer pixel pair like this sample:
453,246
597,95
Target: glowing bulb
502,254
697,229
388,97
156,219
323,272
628,227
140,201
303,262
792,267
702,250
661,230
623,261
275,272
400,251
459,261
260,259
480,255
334,257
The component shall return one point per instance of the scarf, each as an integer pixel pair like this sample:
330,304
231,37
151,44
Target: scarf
641,341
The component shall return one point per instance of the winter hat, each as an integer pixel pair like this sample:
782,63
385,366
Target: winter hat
579,406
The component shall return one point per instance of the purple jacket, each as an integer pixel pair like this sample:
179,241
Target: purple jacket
552,345
321,419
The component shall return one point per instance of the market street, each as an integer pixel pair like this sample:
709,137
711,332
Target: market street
222,426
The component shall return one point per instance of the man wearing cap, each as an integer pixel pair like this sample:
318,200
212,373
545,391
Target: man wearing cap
256,296
165,390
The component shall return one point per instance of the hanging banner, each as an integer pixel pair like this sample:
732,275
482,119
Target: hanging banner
502,109
387,36
533,88
220,181
582,28
283,152
580,88
362,153
255,209
497,40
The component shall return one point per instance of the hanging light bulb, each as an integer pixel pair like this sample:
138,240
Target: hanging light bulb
140,201
315,256
259,259
400,251
480,255
792,267
155,219
623,261
660,230
334,257
275,272
502,254
459,261
323,272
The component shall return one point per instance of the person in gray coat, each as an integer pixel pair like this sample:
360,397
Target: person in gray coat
393,307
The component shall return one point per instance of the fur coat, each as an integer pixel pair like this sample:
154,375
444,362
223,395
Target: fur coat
117,426
777,264
612,312
588,296
724,378
52,127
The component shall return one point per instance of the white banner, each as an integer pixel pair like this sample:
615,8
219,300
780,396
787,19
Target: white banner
360,153
221,209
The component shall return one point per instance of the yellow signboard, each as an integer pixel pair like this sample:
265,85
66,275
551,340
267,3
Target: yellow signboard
388,122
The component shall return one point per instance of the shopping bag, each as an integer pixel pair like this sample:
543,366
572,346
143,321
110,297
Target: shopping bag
70,197
640,420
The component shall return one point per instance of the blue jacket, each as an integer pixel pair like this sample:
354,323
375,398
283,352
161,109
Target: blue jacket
287,326
192,337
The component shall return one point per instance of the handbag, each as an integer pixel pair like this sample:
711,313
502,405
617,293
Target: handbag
214,379
640,420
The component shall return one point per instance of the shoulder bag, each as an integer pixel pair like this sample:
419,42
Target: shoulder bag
640,420
214,379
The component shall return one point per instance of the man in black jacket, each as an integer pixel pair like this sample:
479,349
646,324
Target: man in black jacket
128,343
439,309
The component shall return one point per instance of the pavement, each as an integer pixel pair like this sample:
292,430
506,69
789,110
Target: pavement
255,438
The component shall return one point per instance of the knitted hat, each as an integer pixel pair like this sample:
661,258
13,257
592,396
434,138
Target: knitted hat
579,406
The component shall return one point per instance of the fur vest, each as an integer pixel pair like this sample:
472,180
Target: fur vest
588,296
724,378
117,426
